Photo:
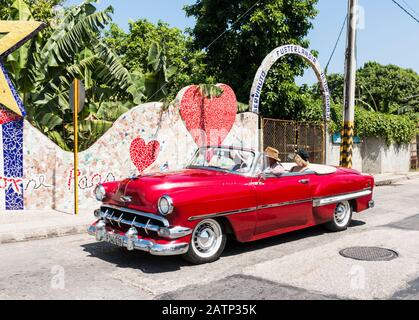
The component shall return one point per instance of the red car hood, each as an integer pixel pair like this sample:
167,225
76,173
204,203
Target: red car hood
145,190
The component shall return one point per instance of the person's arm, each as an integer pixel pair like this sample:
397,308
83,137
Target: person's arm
278,170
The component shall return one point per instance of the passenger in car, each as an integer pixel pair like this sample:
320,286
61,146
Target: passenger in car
274,165
301,159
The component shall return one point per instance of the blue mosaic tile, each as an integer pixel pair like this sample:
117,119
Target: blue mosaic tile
14,200
13,162
13,149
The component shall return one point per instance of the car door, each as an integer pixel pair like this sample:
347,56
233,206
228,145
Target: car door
283,202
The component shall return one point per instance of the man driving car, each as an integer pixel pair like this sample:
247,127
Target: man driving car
274,165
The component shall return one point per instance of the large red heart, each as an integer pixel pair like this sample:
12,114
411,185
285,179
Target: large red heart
143,155
209,120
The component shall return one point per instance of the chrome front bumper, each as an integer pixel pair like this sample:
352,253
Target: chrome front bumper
133,243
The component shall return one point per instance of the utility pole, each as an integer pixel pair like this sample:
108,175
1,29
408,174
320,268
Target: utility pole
346,147
77,99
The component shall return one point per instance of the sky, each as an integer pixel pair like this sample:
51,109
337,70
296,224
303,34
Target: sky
386,34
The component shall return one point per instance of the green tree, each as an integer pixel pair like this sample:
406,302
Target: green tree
380,88
183,64
41,10
43,71
237,35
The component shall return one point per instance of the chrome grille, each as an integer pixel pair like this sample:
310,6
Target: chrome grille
124,218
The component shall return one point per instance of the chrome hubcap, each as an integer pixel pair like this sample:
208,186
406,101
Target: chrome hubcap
207,238
342,213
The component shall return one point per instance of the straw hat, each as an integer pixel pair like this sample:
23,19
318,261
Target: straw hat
272,153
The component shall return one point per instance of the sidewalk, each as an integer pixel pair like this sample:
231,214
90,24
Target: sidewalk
35,225
16,226
392,178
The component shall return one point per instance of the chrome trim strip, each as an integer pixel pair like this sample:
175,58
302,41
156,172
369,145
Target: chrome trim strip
316,203
283,204
140,213
222,214
335,199
268,206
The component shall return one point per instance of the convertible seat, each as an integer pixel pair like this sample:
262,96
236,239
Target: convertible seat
322,169
317,168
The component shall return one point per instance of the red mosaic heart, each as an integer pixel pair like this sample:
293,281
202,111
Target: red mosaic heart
209,120
143,155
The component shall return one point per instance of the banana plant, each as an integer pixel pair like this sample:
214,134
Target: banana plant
44,69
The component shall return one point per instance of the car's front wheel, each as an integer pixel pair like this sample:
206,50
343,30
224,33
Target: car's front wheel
342,217
207,243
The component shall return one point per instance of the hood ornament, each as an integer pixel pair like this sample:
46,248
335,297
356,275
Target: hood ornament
126,198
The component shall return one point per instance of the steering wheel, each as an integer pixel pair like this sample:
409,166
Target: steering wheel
239,166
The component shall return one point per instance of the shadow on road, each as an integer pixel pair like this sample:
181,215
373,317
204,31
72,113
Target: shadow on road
122,258
235,247
148,263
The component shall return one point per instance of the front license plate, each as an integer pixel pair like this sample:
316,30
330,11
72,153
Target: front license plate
114,239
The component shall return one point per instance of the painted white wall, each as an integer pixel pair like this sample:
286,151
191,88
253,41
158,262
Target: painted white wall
374,156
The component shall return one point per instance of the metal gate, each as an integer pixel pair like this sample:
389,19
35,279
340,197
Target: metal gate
289,136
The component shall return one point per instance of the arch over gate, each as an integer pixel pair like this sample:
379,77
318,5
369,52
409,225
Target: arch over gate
268,62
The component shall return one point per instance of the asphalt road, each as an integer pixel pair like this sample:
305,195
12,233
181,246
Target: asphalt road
301,265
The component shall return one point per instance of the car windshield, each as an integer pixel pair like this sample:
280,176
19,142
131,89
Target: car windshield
225,159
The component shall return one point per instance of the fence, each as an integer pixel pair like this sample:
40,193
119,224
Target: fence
288,136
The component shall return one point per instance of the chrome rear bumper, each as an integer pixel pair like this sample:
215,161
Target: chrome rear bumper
130,243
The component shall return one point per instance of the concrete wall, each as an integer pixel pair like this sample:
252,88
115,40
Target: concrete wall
333,155
378,157
374,156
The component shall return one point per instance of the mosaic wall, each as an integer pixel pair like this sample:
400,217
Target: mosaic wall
11,147
146,138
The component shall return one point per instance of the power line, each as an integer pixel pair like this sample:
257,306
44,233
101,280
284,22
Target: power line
406,11
234,23
215,40
410,7
337,42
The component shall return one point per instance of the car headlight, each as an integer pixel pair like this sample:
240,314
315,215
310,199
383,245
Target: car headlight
165,205
100,192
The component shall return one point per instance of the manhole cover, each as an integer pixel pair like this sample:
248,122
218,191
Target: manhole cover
369,253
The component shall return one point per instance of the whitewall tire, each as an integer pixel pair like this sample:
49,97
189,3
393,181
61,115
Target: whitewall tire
207,242
342,217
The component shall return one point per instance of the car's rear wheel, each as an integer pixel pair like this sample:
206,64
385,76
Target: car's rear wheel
342,217
207,242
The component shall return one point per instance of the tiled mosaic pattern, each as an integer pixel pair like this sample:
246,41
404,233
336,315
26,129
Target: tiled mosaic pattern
13,164
209,120
7,116
143,155
48,171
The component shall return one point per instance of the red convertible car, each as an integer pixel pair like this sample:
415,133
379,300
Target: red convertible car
225,191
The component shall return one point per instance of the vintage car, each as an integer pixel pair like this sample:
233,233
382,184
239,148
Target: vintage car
225,191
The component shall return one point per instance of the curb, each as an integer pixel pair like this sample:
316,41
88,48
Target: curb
390,181
42,234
